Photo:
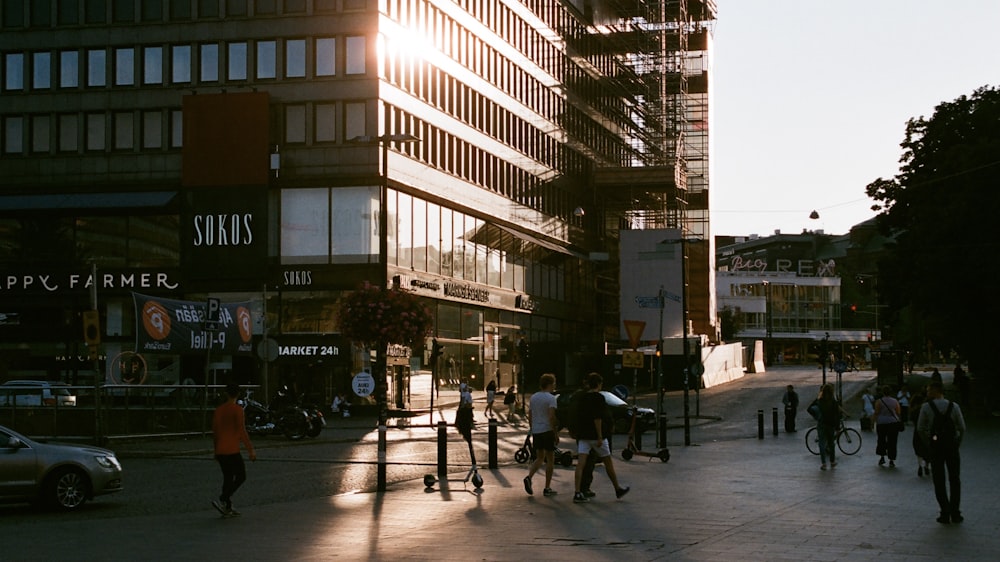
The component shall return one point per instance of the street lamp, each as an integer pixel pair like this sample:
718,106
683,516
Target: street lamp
381,369
684,331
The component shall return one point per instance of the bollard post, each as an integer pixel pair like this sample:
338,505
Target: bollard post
774,420
760,424
493,443
663,431
442,449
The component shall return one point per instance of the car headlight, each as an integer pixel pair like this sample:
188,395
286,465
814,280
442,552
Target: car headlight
108,461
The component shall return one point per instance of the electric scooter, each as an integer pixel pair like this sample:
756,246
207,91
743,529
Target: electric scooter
464,423
631,449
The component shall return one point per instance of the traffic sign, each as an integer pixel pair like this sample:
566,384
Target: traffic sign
363,384
839,366
632,359
634,330
648,302
212,311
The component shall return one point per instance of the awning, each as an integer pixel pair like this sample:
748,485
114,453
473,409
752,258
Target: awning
540,242
87,201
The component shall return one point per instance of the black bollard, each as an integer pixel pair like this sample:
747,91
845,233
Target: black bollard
442,449
774,420
493,444
760,424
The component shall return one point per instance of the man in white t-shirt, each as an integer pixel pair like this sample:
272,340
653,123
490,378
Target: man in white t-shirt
542,418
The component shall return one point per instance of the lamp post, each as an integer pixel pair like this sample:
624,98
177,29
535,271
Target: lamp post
767,322
684,331
381,368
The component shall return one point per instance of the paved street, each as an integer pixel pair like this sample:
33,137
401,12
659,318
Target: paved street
729,496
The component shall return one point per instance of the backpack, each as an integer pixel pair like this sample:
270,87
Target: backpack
942,439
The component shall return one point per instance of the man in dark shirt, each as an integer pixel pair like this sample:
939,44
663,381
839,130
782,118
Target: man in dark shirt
591,438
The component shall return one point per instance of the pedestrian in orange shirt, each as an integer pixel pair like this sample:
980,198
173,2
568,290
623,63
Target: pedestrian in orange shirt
228,431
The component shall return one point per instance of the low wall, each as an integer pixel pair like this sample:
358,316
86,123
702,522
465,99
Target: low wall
723,363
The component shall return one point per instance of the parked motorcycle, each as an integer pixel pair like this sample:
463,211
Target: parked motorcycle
284,418
316,420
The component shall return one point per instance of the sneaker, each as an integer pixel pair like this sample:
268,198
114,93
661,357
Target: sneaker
620,492
881,461
944,519
233,513
221,507
833,464
892,464
588,493
957,518
822,466
549,492
580,498
527,486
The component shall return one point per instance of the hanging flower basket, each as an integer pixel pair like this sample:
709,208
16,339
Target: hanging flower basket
372,316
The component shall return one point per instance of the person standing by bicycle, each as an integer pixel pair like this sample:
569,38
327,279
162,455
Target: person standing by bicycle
827,424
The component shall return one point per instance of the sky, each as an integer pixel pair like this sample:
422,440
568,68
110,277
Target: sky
811,99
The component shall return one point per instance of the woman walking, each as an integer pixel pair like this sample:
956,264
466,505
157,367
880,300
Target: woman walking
827,424
887,422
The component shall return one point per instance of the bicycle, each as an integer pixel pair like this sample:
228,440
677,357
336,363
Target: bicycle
848,440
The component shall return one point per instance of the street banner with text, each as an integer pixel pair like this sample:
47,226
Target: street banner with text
179,327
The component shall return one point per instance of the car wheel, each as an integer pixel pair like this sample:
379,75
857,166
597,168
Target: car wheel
68,488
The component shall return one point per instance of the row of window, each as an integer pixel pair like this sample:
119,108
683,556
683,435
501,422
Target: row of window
324,225
159,129
46,13
181,64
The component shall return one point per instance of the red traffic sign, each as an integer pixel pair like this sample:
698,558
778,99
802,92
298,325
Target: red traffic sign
634,330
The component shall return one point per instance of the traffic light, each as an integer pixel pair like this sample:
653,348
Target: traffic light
91,327
436,350
522,349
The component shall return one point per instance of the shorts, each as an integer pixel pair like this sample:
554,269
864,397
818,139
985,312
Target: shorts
599,448
545,441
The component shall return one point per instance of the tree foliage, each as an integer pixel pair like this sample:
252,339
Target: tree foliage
942,208
374,317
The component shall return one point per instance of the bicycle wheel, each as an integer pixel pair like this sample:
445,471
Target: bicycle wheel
849,441
812,441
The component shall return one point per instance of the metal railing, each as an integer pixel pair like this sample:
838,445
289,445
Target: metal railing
113,411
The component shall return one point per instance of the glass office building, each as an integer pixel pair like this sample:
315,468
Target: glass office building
481,153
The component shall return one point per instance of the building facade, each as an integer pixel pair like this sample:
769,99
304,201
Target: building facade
283,152
802,293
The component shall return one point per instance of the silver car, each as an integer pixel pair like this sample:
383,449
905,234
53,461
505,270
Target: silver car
63,476
36,393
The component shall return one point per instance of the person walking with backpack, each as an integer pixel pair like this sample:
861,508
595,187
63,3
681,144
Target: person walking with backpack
942,427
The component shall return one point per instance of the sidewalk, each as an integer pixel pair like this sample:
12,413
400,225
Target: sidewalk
734,499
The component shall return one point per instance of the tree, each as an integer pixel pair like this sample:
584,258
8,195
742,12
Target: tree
941,209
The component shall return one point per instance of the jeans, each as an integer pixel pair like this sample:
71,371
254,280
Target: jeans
826,445
888,437
234,474
951,461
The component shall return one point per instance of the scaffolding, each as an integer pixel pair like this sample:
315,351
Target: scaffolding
662,47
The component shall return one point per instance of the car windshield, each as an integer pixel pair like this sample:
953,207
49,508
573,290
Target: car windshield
612,400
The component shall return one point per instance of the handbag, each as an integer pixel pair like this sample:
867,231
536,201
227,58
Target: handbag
814,410
900,426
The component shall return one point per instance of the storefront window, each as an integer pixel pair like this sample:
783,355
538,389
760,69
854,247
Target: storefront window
355,238
305,225
404,230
